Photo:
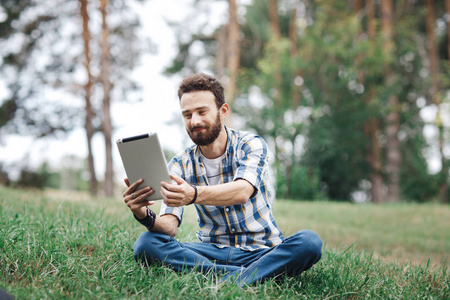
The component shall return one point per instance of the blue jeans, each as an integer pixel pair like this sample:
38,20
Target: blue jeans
294,255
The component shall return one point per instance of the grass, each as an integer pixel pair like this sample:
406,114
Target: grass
65,245
401,232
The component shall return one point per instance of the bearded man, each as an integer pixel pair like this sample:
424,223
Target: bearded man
225,174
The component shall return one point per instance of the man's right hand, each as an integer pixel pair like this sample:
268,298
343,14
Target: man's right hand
135,200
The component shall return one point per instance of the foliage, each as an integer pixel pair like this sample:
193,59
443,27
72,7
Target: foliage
70,174
305,184
46,55
44,70
4,177
30,178
313,105
52,178
417,183
25,34
52,247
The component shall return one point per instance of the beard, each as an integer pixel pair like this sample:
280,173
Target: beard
209,136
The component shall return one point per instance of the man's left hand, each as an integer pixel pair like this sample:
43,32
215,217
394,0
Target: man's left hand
177,194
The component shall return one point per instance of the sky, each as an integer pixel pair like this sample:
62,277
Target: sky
159,106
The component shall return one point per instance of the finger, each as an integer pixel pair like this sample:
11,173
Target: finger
143,193
127,182
171,187
139,197
169,192
137,183
133,187
163,192
177,179
136,205
169,203
173,203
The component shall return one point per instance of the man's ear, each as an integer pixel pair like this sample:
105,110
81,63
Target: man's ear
224,110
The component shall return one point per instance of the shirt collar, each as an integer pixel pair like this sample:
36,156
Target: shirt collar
228,149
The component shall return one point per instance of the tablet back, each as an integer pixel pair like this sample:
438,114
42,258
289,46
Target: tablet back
143,157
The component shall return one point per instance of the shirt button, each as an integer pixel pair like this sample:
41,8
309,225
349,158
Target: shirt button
227,209
237,246
233,230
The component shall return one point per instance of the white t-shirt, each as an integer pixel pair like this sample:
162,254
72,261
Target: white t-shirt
213,168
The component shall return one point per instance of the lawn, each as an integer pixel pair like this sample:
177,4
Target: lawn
66,245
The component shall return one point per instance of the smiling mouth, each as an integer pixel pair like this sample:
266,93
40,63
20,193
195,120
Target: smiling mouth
198,129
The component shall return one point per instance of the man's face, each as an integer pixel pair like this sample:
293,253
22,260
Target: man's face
201,117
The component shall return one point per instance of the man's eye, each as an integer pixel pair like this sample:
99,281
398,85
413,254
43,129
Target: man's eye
187,116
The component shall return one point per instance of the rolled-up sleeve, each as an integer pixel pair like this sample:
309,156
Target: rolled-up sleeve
253,162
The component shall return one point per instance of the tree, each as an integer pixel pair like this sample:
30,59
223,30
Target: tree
372,125
447,20
105,62
22,37
393,153
233,56
336,96
435,93
89,114
46,30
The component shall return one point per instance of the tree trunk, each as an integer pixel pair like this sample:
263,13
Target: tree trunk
276,37
372,126
233,58
221,52
432,52
107,87
435,94
276,117
447,12
88,92
295,94
445,164
393,153
293,37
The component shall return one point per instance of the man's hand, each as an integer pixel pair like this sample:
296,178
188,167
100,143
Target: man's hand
178,194
135,200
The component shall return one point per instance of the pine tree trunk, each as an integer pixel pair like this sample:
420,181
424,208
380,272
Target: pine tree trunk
276,37
445,165
293,37
88,92
233,58
295,94
393,153
447,12
107,87
372,126
435,94
221,52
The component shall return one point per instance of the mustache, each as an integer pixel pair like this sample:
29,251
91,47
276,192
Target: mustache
199,127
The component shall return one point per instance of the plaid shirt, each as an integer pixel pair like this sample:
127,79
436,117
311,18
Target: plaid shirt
249,226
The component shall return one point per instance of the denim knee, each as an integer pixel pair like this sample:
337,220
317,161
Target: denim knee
147,246
309,243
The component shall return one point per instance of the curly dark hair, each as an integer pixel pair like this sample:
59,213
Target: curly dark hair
202,82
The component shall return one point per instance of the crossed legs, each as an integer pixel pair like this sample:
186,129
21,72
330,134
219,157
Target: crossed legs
294,255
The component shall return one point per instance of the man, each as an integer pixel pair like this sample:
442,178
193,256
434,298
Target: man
226,176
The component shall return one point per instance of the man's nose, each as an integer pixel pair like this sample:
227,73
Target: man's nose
196,120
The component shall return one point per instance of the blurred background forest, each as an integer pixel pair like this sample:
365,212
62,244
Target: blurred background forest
353,97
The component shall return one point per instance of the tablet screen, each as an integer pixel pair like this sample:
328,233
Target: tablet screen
143,157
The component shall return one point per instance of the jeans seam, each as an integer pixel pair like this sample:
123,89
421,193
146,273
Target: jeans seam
230,255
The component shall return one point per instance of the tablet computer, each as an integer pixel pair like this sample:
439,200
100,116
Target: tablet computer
143,157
